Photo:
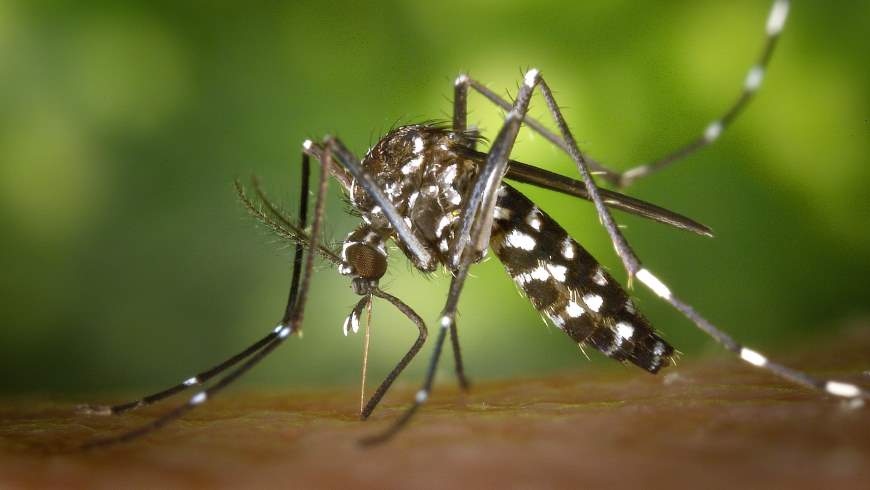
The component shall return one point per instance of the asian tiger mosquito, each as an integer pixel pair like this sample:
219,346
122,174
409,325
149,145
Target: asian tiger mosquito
443,203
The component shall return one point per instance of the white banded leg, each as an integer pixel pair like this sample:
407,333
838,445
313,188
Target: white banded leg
836,388
199,379
205,376
754,77
775,23
292,325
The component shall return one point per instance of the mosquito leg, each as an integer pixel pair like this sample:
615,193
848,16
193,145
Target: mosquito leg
459,366
284,329
418,344
460,111
422,255
447,319
460,103
482,200
303,221
208,374
460,127
832,387
196,400
192,381
775,23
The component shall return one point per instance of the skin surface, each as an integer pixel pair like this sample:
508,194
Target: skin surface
714,423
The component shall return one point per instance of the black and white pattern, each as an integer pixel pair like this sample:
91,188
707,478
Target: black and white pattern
563,281
427,174
425,178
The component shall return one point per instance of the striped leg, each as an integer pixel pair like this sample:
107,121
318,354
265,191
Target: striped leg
460,126
832,387
775,23
293,324
208,374
199,379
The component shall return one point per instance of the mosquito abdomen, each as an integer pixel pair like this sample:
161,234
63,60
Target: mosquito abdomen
565,283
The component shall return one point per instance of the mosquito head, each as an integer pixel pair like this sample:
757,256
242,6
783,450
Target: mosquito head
366,261
364,258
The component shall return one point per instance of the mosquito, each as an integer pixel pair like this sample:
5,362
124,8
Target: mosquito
426,188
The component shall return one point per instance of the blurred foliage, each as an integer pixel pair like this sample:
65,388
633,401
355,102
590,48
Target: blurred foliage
128,264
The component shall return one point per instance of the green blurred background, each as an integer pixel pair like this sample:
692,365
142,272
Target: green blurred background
127,263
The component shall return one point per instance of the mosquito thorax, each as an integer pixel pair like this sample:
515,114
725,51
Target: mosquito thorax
422,171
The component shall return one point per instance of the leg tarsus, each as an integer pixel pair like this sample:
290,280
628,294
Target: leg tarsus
464,383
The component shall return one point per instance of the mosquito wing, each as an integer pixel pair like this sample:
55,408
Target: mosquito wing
529,174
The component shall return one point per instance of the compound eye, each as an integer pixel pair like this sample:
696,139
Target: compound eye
366,261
